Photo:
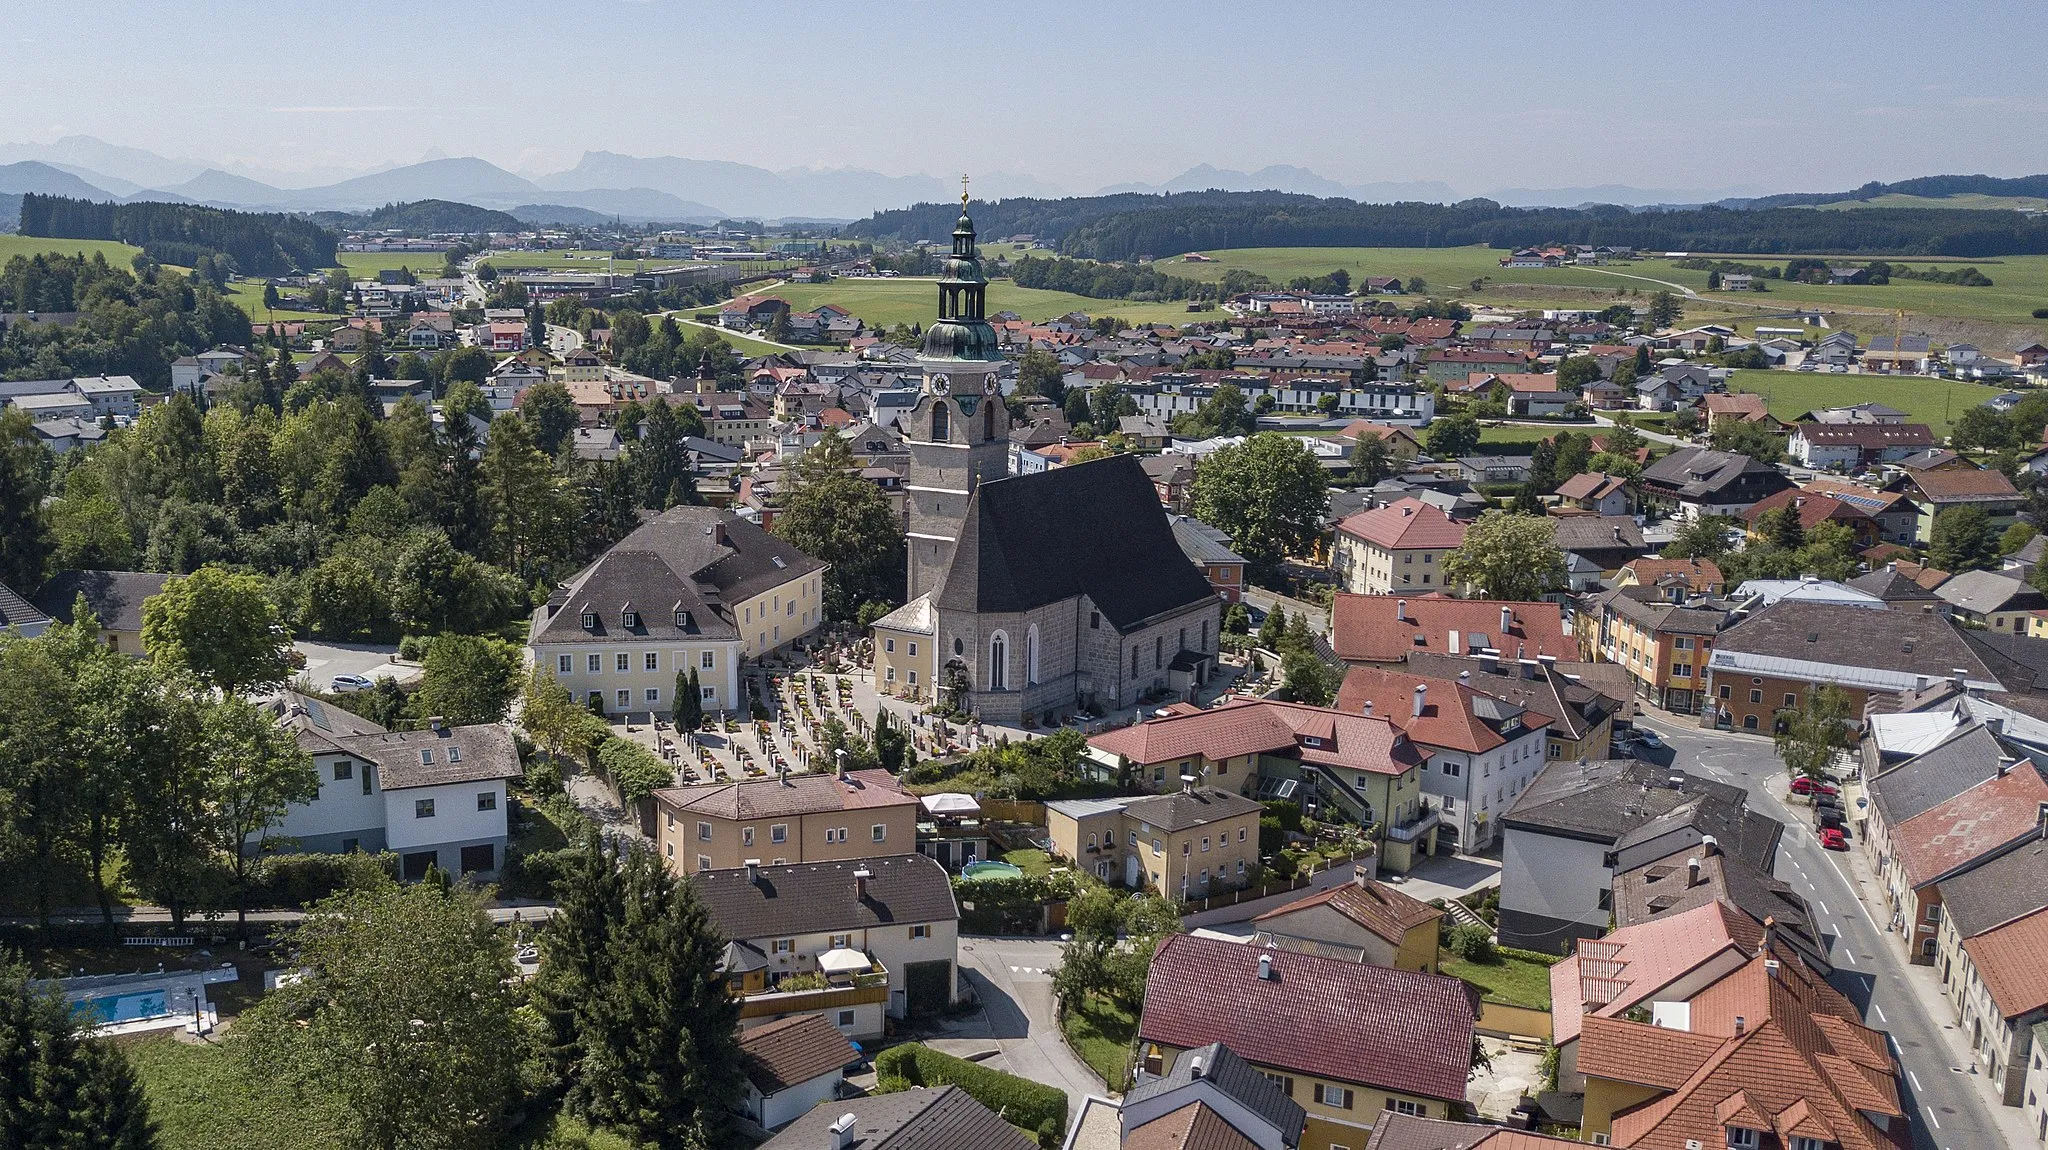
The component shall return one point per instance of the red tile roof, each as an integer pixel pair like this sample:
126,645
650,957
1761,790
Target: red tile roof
1448,717
1814,508
1748,405
1405,524
1372,904
1591,485
1384,628
1374,1026
1963,484
799,794
1609,976
2013,962
1988,815
1353,741
1701,575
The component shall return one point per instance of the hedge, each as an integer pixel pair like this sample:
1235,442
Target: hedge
635,770
1009,905
1020,1101
928,987
297,879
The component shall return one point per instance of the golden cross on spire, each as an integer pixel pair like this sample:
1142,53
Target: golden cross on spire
963,190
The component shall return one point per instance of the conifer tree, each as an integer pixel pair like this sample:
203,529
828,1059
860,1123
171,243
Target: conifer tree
57,1087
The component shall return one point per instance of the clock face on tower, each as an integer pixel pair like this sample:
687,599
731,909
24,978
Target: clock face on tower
988,385
941,385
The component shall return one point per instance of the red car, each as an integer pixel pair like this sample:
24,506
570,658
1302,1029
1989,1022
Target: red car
1804,785
1833,839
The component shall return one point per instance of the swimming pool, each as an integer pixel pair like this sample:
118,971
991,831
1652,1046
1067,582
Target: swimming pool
990,869
112,1008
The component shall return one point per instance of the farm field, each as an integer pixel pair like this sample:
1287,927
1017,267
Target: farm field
2019,285
363,265
1971,200
1935,402
744,345
117,253
249,297
1448,271
888,302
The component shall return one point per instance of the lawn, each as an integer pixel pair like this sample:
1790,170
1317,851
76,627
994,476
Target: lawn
744,345
1513,979
249,297
1935,402
888,302
1033,862
1449,271
1102,1035
2019,285
202,1100
117,253
1526,433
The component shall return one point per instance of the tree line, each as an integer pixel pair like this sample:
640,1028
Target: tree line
132,321
259,243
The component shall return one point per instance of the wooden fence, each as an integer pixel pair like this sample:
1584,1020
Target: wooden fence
1013,811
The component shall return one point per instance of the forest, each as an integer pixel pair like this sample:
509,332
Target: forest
257,243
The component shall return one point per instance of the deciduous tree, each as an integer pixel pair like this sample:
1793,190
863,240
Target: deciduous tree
221,627
256,771
1508,556
832,514
1268,494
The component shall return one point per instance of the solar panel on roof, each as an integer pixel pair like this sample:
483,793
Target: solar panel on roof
317,712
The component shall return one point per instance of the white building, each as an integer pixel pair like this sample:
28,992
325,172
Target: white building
435,797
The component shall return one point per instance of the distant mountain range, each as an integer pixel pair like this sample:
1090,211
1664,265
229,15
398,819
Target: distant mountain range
645,189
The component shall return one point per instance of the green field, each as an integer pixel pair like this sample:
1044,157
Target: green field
1935,402
744,345
888,302
1967,200
250,298
366,265
1448,271
117,253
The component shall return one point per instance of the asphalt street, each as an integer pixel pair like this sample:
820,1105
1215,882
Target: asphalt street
1953,1109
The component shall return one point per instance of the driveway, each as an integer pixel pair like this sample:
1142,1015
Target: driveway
1951,1108
372,660
1017,1019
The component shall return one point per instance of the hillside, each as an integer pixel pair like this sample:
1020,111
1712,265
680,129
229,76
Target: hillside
440,216
259,244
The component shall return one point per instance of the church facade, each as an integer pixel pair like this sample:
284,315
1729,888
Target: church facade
1029,596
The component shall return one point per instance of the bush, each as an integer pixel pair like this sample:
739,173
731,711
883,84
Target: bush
1472,943
297,879
2041,313
414,647
1020,1101
533,874
635,770
1009,905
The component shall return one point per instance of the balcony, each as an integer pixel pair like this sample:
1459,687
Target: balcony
818,991
1416,827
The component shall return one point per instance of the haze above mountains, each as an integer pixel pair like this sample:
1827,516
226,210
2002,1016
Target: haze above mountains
604,185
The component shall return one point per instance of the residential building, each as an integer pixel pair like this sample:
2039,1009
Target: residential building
1769,661
1812,509
791,818
1579,824
694,588
919,1118
115,599
883,931
1597,492
1675,579
1383,630
1209,1098
20,616
1953,837
1661,889
1661,633
435,797
1991,916
906,652
1598,544
1357,767
1346,1041
1209,550
792,1065
1395,549
1694,481
1992,600
1364,920
1480,752
1934,490
1909,772
1186,844
1581,718
1740,407
1405,1132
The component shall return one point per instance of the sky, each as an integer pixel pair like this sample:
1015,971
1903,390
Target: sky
1708,95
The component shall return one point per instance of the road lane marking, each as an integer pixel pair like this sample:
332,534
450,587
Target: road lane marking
1877,1010
1933,1119
1824,906
1917,1088
1851,956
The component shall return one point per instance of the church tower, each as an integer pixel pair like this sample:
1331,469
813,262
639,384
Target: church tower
958,434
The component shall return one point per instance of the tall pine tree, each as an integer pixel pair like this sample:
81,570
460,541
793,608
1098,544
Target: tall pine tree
57,1087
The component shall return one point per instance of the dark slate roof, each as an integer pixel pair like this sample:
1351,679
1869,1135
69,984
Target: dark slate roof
1984,592
1232,1076
699,559
1658,890
459,755
1997,892
1093,529
2016,661
916,1119
1888,584
1626,803
114,596
16,611
1898,641
1935,776
1697,473
790,1051
1183,809
806,898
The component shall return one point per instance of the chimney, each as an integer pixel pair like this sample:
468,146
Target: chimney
719,533
1763,948
1507,619
1266,968
1400,610
1421,697
839,758
1919,682
1709,845
1617,533
1741,1024
2005,763
1368,708
842,1131
1528,667
1452,646
1957,676
753,871
1692,873
860,883
1187,784
1195,1067
1548,661
435,723
1892,566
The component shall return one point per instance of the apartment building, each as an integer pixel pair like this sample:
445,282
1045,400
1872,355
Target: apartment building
785,820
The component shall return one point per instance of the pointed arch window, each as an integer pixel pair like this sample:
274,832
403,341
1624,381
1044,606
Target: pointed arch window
941,422
998,662
1031,656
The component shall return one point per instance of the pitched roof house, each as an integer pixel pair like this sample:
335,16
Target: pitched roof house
920,1118
1386,629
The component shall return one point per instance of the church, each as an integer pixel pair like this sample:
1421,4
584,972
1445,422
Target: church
1029,596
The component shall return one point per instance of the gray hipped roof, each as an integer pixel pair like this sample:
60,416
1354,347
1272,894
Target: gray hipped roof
1093,529
1220,1066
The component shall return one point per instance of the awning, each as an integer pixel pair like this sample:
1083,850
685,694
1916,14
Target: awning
950,803
842,960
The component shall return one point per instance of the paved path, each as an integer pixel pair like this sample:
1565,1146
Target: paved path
1952,1109
1679,288
1018,1016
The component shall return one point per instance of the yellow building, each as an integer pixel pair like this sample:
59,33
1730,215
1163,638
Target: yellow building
1395,550
1189,844
905,659
1347,1041
784,821
1364,917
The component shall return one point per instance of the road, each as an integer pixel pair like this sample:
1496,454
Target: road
370,660
1953,1110
1013,979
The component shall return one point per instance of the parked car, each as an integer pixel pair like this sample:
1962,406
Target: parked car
349,684
1648,738
1804,785
1832,838
1827,818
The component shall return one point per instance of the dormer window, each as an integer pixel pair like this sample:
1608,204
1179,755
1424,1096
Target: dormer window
629,619
682,620
1744,1138
590,620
